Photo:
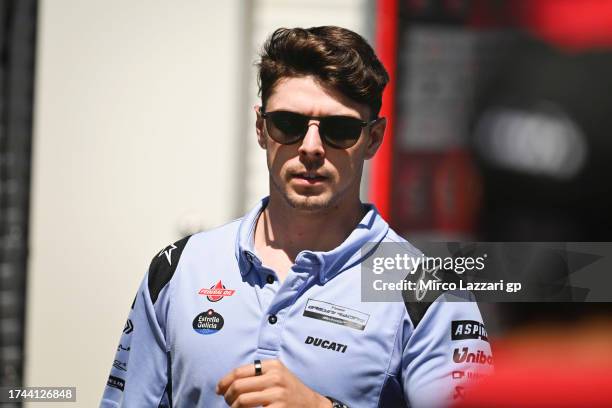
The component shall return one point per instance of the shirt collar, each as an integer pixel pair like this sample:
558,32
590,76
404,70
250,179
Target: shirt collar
371,229
245,241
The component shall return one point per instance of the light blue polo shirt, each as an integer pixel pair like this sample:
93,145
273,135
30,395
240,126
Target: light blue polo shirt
208,305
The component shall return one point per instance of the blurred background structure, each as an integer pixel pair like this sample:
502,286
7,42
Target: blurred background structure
143,132
17,50
502,120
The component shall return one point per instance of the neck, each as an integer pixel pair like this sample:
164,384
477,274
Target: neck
290,230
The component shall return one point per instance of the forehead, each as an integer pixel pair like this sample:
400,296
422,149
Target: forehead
309,96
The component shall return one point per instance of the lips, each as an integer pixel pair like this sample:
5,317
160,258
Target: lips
310,178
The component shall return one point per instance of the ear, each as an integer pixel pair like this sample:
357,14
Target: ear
259,127
377,131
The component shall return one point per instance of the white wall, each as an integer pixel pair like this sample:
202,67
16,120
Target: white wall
132,100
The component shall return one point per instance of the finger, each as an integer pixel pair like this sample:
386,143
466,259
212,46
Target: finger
272,364
237,373
247,370
256,399
245,385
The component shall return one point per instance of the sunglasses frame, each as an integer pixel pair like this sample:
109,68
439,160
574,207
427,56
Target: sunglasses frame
324,138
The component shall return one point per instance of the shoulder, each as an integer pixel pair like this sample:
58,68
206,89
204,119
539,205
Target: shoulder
163,265
222,235
165,262
393,237
415,303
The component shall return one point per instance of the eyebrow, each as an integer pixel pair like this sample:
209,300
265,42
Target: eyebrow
347,114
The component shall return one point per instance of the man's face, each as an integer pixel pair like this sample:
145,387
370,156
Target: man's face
310,175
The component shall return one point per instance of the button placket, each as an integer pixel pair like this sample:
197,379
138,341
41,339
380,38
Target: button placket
270,335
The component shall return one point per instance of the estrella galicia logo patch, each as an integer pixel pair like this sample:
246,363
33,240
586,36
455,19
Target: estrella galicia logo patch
208,322
216,292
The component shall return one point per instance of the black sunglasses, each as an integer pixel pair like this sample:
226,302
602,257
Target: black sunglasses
340,132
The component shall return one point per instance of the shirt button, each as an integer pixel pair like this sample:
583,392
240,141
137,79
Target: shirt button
272,319
270,279
249,257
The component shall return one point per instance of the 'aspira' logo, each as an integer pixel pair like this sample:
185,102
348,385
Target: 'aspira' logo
468,329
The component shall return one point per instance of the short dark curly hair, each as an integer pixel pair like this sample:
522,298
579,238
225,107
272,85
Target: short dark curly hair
334,55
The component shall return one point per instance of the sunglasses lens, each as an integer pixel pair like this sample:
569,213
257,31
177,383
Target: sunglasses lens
341,132
286,127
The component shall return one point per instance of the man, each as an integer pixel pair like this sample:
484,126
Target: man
266,310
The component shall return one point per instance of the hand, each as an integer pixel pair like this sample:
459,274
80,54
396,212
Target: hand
276,387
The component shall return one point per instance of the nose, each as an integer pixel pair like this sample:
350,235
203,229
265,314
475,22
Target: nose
312,144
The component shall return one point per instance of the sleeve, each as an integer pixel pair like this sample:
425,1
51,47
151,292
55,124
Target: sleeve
141,372
445,347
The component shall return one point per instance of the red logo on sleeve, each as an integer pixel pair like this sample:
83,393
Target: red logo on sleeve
216,292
